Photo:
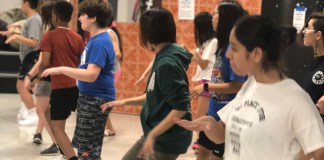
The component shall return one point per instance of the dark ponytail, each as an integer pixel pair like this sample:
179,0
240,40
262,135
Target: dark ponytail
260,31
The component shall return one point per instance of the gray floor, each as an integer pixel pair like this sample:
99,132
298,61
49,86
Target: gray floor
16,141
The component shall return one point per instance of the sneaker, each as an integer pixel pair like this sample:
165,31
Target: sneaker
37,138
22,113
51,151
31,119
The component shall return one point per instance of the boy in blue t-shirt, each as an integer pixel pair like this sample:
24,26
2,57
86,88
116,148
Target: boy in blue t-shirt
95,79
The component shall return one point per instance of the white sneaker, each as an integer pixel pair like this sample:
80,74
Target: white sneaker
31,119
22,113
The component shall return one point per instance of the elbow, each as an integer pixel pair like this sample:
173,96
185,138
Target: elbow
118,55
92,78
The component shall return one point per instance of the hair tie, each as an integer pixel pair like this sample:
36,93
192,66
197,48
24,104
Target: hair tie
114,24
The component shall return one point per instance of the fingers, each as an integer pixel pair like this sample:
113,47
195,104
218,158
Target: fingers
105,106
45,73
4,33
8,40
189,125
139,81
146,153
193,93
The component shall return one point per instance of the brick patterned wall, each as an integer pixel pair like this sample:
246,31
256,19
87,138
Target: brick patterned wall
136,58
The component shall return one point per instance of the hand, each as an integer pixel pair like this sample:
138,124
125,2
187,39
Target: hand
27,83
147,150
200,124
320,104
51,71
112,104
196,91
6,33
14,25
139,80
12,38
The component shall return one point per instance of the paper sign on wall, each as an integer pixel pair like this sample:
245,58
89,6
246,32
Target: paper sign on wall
299,18
186,10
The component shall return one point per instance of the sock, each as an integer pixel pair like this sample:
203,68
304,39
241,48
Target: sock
32,111
74,158
22,104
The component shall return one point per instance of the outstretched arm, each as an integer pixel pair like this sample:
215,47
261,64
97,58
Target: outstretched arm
129,101
21,39
214,130
226,88
88,75
145,73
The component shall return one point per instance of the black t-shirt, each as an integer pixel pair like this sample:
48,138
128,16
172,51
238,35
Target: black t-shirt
313,82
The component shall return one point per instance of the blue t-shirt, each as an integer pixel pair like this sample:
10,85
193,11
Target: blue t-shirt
99,51
222,73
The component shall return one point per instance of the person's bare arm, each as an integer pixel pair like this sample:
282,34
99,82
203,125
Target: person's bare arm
21,39
145,73
225,88
115,44
203,63
90,74
214,130
128,101
147,149
45,61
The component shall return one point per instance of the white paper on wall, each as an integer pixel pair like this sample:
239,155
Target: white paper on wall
299,18
186,10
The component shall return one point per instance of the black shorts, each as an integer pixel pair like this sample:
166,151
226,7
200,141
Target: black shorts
63,102
28,63
218,149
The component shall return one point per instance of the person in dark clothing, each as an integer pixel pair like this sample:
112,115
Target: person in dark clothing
167,92
314,79
313,82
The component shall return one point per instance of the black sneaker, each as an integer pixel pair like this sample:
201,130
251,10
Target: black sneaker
51,151
37,138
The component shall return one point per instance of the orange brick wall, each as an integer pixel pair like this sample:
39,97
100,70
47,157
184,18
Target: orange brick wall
136,58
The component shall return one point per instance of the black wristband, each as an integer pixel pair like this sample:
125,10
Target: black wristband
35,77
206,87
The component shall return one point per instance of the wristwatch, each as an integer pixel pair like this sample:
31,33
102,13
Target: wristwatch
206,87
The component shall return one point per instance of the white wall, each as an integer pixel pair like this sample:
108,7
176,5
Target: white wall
8,4
125,10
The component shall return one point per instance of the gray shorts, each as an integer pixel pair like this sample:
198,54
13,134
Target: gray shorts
43,88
